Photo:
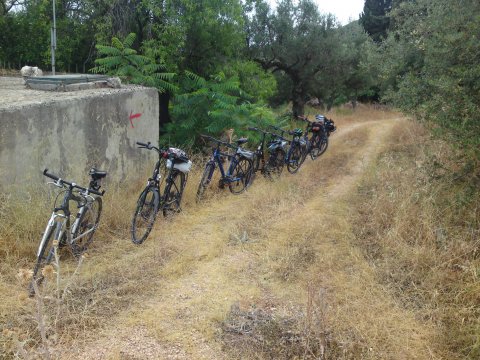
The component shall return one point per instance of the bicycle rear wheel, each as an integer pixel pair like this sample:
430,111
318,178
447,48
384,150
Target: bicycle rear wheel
205,180
275,164
294,159
145,214
241,174
44,257
173,194
88,223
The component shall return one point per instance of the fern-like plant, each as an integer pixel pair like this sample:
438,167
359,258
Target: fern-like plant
210,107
119,59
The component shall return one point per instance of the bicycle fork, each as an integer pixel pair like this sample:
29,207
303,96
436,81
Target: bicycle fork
50,227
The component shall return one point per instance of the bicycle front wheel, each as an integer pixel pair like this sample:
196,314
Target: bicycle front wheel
205,180
294,159
145,214
240,175
173,194
44,257
323,144
319,146
89,220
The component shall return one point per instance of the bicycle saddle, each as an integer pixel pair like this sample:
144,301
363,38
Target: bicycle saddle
97,174
241,141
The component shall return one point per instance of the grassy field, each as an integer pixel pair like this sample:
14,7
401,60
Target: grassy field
366,253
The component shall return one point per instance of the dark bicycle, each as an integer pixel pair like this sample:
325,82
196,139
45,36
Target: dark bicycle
294,157
271,167
320,129
151,200
239,170
60,231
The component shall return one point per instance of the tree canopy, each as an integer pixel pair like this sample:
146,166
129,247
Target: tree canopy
421,56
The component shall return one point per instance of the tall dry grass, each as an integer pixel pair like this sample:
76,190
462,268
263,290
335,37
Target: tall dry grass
341,261
417,223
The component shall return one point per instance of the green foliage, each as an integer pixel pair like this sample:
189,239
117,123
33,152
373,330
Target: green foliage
375,19
431,66
354,72
296,41
122,61
74,35
210,106
17,45
259,84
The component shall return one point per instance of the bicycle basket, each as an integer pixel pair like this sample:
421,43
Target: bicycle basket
330,126
275,144
183,166
245,153
177,153
316,127
180,160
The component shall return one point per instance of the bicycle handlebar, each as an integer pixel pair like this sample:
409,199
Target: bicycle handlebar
276,127
260,130
219,141
304,118
73,185
147,145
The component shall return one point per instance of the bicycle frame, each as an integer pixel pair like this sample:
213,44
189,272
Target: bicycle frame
64,218
216,160
156,179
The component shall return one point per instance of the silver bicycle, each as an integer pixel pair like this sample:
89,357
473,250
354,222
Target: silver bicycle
60,230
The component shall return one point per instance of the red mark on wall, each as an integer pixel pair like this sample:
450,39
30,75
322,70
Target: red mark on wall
133,116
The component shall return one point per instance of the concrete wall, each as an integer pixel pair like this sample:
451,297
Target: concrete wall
69,134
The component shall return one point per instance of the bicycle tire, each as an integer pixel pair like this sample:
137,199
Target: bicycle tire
305,150
173,194
275,164
257,162
44,258
205,180
243,171
323,144
89,221
145,214
294,158
315,147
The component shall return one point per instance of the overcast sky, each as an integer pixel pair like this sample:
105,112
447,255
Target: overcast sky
342,9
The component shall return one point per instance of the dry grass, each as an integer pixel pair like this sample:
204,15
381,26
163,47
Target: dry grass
310,266
418,226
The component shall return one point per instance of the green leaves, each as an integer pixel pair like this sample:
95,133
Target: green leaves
432,69
122,61
211,106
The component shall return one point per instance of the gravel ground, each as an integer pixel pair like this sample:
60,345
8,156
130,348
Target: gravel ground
13,93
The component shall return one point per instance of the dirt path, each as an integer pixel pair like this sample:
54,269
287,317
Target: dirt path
260,249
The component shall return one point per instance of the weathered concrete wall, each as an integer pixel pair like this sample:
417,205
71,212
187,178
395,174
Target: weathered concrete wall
69,133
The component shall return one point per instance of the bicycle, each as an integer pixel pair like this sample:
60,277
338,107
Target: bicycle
239,171
321,130
294,157
59,230
151,201
312,143
273,166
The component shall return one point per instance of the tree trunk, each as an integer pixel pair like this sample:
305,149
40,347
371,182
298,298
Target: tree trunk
164,115
298,101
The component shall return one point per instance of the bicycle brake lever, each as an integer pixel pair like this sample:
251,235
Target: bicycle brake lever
57,183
